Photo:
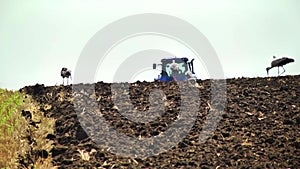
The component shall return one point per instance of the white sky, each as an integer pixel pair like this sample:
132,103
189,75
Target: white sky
38,38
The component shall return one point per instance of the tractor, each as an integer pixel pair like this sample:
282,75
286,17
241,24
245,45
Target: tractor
176,69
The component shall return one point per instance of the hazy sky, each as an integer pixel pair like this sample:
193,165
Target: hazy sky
38,38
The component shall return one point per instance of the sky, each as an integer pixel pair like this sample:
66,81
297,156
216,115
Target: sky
38,38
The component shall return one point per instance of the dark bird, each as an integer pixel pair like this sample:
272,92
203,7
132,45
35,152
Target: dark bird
65,73
279,63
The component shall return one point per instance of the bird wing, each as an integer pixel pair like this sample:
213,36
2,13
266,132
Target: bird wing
280,62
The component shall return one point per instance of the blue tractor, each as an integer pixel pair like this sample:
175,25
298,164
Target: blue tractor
176,69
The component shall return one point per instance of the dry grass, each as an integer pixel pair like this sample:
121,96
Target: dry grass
15,130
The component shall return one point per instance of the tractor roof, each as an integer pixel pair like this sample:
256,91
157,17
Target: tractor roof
176,59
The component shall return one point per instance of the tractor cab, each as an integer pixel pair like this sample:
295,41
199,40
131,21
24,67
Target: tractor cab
177,69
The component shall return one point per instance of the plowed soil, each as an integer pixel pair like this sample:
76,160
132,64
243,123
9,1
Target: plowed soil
259,127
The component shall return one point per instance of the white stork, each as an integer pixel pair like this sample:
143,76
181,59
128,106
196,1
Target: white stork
65,73
279,63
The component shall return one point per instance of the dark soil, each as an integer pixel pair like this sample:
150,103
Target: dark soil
259,127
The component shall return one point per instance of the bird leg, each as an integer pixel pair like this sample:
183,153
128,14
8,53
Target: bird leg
283,70
70,77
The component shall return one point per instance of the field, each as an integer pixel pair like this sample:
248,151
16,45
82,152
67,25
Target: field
259,127
23,132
